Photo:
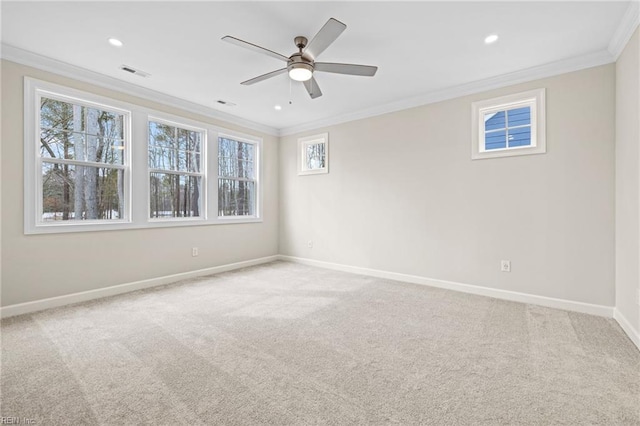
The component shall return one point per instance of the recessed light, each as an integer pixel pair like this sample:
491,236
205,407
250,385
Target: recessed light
491,39
277,107
115,42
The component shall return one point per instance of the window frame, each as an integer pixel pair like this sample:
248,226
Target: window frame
33,186
257,143
302,145
535,99
137,172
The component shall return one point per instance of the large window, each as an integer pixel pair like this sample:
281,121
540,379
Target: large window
93,163
82,160
175,168
237,177
509,125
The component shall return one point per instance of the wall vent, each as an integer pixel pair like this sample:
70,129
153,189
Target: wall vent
132,70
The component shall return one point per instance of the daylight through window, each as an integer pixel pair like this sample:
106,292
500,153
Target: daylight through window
313,154
93,163
509,125
237,183
82,160
175,169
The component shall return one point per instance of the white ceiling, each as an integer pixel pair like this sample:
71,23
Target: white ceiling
419,47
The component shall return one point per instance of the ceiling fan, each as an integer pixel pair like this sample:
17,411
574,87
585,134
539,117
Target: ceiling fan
301,65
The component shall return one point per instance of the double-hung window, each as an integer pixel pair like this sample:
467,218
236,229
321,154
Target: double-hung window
81,161
509,125
237,177
93,163
175,170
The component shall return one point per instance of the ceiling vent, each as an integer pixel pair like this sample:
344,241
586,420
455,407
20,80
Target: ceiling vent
132,70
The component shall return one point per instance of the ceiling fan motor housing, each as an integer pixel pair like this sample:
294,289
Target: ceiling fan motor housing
298,61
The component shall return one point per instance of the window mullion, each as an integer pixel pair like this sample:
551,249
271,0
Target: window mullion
82,163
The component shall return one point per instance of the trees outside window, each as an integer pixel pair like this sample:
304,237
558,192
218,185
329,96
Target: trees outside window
313,154
83,158
93,163
236,177
175,168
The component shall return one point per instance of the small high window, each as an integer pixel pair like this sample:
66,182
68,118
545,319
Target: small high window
313,154
509,125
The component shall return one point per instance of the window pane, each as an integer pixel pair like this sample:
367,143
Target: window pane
315,156
174,195
494,120
188,140
232,167
227,147
236,198
61,144
234,149
174,160
520,136
169,148
495,140
75,132
519,116
56,114
111,151
72,192
161,135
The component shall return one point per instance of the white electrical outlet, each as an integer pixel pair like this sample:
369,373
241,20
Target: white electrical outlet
505,266
310,244
194,251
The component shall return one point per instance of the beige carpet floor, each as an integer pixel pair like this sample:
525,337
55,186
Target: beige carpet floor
289,344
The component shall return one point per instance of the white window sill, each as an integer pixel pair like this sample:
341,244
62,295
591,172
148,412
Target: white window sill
62,228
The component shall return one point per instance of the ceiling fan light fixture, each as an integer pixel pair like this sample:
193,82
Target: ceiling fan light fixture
491,39
115,42
300,72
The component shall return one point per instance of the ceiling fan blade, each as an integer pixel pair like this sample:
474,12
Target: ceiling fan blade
312,87
254,47
351,69
327,35
264,76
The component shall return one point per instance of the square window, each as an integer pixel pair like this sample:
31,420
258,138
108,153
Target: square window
509,125
313,154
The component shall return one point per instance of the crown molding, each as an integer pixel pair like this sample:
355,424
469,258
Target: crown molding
627,26
24,57
547,70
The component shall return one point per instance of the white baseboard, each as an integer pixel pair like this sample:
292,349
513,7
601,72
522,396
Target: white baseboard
54,302
550,302
633,334
587,308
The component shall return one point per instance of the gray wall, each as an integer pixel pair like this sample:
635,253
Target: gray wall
628,182
41,266
403,195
